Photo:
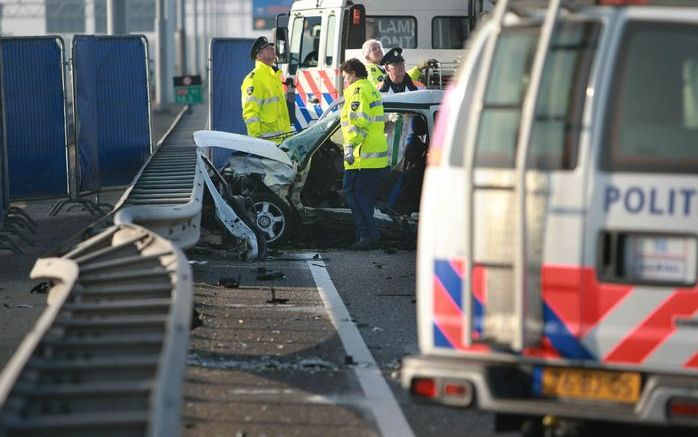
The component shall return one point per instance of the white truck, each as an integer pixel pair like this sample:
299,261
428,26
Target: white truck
557,272
318,35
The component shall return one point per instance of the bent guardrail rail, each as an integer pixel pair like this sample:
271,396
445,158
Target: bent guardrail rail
108,354
166,195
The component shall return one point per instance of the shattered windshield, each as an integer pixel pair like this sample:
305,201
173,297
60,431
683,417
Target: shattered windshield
298,146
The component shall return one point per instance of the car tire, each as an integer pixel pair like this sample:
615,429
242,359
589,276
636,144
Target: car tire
274,218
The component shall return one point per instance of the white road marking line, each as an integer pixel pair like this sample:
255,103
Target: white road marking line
386,411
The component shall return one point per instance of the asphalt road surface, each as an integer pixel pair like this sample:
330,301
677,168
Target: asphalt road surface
319,355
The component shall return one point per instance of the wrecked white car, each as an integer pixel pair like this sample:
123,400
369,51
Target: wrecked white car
300,180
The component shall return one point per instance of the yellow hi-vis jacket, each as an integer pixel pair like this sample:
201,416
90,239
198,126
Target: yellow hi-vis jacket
363,126
264,103
376,73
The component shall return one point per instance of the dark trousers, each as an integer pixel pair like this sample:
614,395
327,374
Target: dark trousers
360,191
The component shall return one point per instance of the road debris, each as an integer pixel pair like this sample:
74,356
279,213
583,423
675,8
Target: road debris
274,300
229,282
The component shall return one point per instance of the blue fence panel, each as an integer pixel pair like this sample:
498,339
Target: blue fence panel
4,181
34,111
86,112
230,63
111,88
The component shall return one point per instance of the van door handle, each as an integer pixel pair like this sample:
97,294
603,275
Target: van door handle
686,322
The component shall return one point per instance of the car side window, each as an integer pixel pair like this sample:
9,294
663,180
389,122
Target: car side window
401,130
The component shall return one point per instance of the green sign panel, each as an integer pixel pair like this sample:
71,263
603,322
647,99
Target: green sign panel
188,90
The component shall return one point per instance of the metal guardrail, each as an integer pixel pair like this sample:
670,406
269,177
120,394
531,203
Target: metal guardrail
166,196
108,355
167,193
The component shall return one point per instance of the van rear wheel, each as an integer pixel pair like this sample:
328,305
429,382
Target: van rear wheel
274,218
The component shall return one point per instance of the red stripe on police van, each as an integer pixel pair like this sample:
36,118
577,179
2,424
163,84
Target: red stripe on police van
635,347
577,298
545,350
693,362
301,91
329,85
480,283
313,86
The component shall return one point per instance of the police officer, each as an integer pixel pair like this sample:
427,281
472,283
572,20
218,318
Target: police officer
373,53
365,149
397,80
264,106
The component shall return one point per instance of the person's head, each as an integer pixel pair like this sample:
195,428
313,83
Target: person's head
394,65
353,70
373,50
419,126
263,50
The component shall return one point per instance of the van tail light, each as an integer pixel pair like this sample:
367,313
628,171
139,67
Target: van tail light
448,391
425,387
455,389
684,409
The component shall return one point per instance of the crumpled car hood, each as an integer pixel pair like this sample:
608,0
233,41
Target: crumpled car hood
260,157
241,143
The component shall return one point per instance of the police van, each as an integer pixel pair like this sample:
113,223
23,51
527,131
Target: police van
313,39
557,273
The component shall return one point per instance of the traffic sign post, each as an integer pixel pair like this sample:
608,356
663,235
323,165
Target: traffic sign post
187,90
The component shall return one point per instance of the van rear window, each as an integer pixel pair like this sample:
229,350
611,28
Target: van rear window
653,107
559,109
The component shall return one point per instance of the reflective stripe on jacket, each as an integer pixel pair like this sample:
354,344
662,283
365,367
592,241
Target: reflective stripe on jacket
264,103
363,126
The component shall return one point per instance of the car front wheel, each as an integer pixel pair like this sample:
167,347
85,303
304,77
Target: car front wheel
274,218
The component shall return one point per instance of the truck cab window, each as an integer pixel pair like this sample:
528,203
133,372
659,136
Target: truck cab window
305,43
449,32
653,104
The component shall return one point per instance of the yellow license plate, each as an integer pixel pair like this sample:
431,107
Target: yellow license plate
591,384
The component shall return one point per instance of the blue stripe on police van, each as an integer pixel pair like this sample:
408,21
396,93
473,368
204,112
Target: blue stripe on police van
328,98
300,105
561,338
440,339
316,108
450,279
478,311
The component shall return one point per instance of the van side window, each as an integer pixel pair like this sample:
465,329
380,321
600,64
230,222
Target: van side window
560,105
400,133
506,87
652,123
393,31
449,32
329,40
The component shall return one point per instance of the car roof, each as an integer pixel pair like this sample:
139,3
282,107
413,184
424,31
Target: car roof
421,97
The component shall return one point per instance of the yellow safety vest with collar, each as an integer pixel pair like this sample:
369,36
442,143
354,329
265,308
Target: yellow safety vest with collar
363,126
376,73
264,103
